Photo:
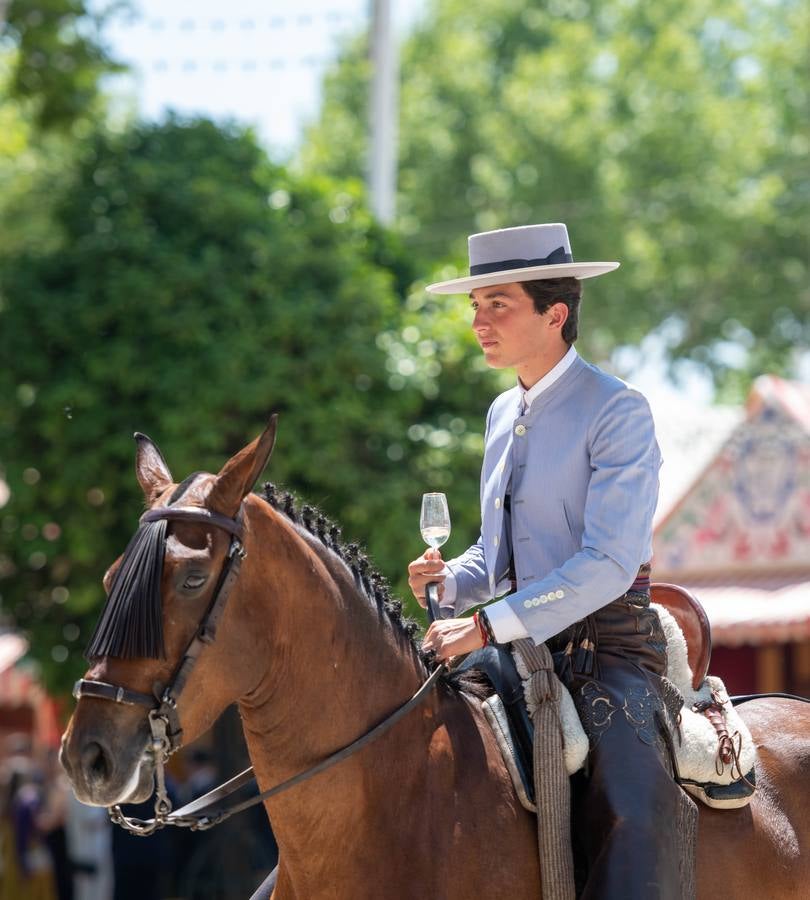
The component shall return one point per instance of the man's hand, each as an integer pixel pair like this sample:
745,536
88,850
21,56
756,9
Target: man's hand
452,637
429,567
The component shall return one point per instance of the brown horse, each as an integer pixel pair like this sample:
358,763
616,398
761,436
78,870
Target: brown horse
315,659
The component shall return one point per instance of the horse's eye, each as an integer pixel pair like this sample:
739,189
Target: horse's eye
193,582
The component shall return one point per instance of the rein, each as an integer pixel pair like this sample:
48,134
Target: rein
164,722
196,815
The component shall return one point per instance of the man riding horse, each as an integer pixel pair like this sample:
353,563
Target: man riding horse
569,486
379,779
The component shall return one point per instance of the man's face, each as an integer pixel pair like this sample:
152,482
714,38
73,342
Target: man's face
511,333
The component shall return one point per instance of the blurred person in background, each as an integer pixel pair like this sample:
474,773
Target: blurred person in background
27,869
52,822
89,844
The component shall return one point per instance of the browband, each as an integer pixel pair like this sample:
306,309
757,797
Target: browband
194,514
116,693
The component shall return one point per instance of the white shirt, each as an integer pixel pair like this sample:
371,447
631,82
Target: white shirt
530,395
506,626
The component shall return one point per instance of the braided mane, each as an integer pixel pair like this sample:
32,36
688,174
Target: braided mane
130,624
366,577
370,581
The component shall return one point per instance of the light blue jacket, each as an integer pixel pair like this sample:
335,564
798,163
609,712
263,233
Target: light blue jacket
582,469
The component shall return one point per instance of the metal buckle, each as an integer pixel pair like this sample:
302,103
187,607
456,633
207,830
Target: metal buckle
237,548
168,699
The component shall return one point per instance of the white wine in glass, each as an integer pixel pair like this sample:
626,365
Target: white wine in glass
435,525
435,535
435,520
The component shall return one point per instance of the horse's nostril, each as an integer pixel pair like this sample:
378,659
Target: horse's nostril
95,762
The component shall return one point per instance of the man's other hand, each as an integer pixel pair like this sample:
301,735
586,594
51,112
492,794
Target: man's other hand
452,637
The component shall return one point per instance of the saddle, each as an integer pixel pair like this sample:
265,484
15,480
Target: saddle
707,762
691,618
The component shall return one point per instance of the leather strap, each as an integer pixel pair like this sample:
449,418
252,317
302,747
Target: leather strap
164,701
744,698
104,691
207,631
194,813
194,514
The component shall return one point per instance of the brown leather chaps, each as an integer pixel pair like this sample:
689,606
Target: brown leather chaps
633,827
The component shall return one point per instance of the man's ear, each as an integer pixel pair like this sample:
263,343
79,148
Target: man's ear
150,468
239,474
557,314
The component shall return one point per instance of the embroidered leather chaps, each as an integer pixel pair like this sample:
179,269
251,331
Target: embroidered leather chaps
633,827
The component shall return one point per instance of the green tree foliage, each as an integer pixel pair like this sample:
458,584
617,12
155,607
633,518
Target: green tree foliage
51,63
172,280
192,288
58,59
667,136
30,162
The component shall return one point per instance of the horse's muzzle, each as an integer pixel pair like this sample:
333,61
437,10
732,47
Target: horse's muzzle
104,776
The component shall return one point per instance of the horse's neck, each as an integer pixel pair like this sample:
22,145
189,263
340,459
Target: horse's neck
336,664
341,667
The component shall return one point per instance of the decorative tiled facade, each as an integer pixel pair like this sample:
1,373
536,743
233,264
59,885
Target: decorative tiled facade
750,510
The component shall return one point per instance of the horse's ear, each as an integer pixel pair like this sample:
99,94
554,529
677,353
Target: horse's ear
150,468
239,474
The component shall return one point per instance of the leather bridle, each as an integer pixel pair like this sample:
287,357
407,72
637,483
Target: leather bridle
164,721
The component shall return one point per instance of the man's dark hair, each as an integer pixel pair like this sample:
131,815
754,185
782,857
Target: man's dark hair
557,290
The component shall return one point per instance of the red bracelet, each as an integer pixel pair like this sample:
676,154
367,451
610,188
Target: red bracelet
481,630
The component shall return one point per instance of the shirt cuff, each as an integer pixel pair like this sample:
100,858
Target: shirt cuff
506,626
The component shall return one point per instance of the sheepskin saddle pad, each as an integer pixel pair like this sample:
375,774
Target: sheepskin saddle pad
714,753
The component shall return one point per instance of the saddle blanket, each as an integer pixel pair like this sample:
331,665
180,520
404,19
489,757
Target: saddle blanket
696,745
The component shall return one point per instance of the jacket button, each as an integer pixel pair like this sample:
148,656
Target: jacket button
559,594
527,604
497,503
520,430
495,540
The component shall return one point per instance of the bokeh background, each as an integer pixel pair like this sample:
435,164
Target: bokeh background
205,215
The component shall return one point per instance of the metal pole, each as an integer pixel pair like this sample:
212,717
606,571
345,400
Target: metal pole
383,114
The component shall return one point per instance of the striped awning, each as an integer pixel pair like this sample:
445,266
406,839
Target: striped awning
756,611
20,689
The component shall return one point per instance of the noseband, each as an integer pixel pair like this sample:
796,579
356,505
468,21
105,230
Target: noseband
164,722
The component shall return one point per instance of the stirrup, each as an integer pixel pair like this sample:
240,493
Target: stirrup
722,796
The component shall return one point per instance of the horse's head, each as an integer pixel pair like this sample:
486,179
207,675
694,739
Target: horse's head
173,578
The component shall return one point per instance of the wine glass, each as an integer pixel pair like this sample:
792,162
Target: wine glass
435,525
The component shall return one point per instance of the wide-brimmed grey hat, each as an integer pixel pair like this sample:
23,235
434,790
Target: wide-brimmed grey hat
526,253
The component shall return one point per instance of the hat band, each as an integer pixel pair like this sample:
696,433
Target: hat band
555,258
